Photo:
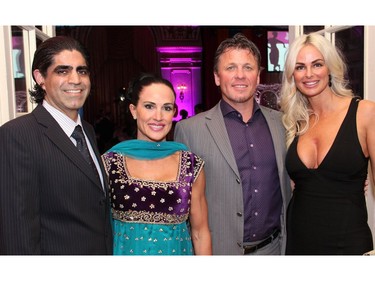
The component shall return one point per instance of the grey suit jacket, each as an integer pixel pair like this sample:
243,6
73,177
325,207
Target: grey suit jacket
205,134
50,200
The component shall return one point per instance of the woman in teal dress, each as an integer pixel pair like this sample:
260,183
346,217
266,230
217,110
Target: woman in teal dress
157,187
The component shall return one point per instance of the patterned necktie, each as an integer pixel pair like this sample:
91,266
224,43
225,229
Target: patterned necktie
83,148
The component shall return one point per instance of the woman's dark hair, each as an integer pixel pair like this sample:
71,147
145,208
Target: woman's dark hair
145,79
44,57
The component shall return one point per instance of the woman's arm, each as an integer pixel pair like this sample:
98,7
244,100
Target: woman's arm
199,217
366,131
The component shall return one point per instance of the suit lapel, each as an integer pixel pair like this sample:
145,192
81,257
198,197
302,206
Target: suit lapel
54,132
216,126
91,136
278,136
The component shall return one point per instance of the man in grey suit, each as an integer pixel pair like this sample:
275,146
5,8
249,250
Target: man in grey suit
52,202
243,145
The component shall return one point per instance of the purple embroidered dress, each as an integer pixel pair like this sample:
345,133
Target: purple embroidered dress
150,217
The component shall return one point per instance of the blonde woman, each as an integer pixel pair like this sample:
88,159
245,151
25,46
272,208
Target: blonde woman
330,139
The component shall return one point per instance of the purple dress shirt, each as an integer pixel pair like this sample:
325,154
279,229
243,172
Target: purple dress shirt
256,161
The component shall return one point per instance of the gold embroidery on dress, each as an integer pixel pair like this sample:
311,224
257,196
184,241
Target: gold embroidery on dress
148,217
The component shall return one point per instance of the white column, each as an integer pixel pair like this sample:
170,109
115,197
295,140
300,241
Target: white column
7,91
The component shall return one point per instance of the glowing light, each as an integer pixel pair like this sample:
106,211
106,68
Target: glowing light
182,87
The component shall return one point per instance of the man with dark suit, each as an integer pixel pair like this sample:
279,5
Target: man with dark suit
52,202
243,145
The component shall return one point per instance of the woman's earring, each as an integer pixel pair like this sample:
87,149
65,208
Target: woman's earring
329,81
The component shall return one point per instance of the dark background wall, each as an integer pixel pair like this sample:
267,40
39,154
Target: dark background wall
118,53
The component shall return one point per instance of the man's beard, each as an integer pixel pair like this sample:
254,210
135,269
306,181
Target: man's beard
240,99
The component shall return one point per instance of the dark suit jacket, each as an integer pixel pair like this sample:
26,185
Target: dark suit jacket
206,135
50,200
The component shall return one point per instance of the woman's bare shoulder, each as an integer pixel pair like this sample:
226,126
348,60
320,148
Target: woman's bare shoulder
366,107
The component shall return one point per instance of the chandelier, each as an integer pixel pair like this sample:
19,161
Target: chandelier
182,87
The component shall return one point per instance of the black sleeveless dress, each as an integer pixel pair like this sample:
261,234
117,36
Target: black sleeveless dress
327,214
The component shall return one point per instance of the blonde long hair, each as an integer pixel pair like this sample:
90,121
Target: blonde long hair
294,105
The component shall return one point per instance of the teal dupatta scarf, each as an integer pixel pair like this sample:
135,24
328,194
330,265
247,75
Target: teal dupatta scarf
147,150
